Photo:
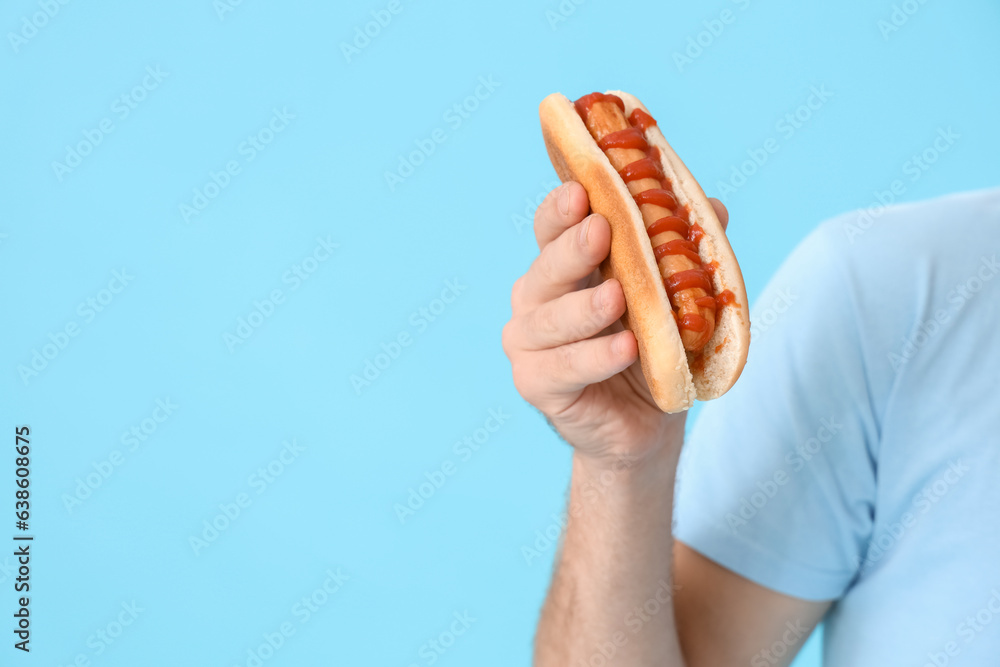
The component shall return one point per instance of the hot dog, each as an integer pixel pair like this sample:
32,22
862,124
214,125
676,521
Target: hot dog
624,143
684,292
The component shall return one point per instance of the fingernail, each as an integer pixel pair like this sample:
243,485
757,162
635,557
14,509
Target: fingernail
601,297
584,229
619,344
563,200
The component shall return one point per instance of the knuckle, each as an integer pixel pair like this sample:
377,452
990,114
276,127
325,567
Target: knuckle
600,357
546,322
564,361
516,291
571,254
548,259
523,381
505,338
594,318
545,269
597,311
580,324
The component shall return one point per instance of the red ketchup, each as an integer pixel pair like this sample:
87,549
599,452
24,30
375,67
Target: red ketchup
691,234
584,103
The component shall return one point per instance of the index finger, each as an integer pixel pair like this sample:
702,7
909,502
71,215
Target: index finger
562,208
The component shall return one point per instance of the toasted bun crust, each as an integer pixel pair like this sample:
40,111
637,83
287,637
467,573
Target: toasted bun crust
675,377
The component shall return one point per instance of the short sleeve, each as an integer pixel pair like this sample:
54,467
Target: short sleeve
777,479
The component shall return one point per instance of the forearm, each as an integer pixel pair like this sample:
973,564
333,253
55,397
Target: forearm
612,591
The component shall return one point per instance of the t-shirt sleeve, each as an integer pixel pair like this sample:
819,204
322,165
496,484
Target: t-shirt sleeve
777,479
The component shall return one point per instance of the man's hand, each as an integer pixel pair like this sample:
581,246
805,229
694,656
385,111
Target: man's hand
575,363
571,358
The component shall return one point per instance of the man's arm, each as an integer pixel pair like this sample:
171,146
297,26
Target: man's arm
617,591
616,576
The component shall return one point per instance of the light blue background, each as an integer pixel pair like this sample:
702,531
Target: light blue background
454,218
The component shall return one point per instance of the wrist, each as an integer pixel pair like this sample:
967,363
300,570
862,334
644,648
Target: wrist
603,485
636,459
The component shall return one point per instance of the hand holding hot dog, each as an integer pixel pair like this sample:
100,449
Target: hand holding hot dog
570,357
685,299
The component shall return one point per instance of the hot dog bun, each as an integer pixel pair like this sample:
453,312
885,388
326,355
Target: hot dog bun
675,377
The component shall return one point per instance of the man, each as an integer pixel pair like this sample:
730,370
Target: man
852,474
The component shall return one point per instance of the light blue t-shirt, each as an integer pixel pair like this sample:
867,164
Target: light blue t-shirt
858,456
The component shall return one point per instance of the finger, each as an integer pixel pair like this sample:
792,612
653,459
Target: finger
570,368
572,317
566,262
561,209
720,211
